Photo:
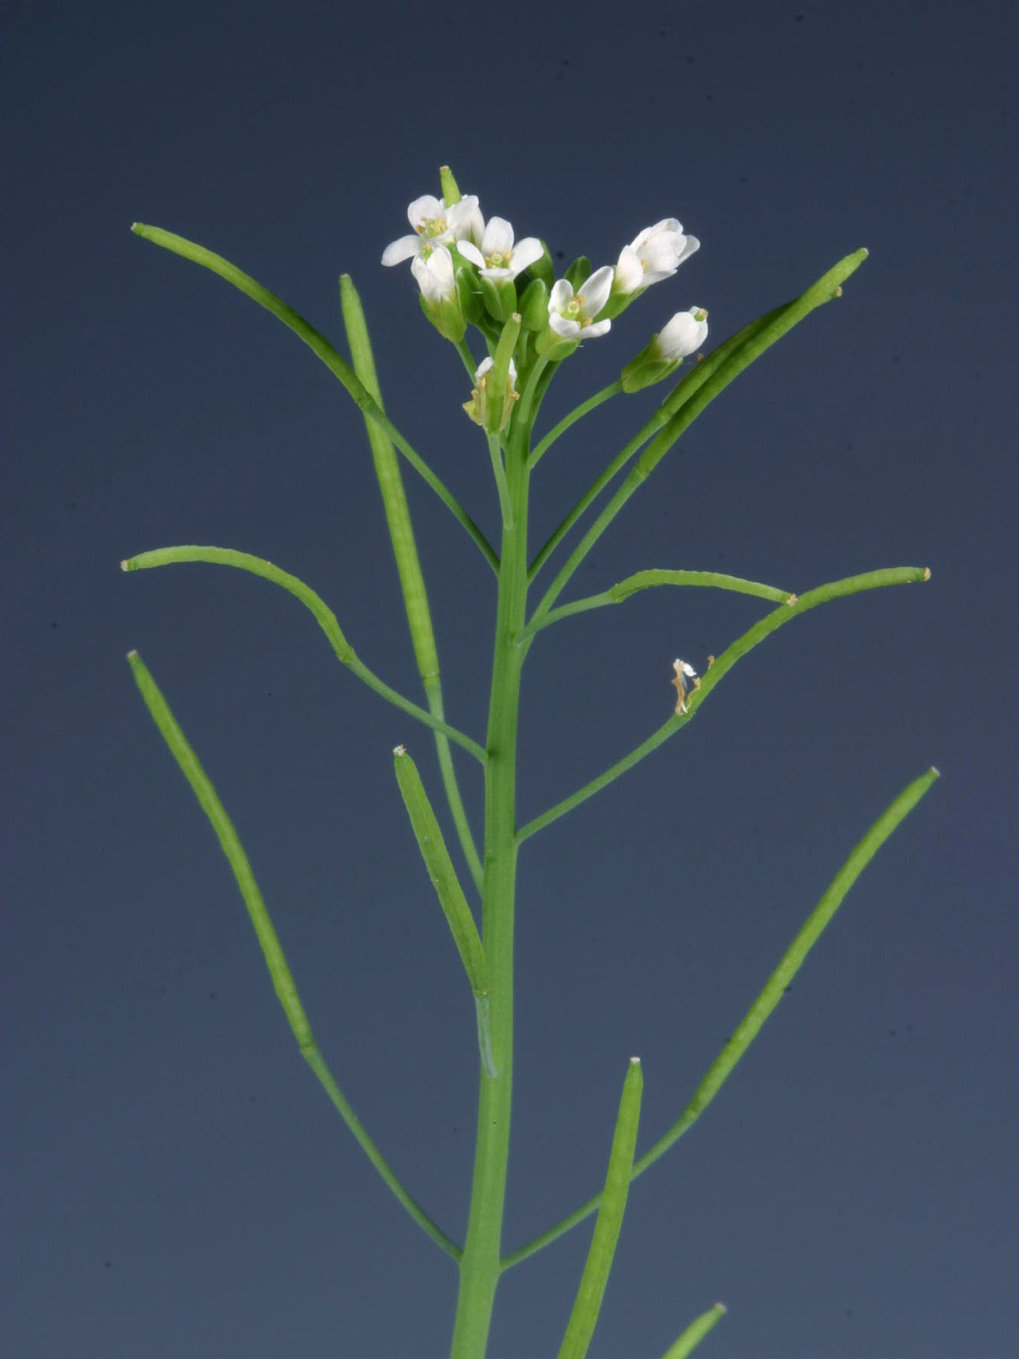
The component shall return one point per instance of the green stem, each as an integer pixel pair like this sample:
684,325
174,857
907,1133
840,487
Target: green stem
785,613
774,989
757,338
683,392
499,473
540,374
468,360
408,564
480,1265
465,835
644,580
594,490
326,619
265,932
334,361
585,407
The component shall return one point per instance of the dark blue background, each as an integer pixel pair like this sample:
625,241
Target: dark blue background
180,1184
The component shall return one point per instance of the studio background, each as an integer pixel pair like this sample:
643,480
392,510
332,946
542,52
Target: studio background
178,1182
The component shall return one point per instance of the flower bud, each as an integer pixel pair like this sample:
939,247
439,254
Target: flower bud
683,335
534,305
660,358
500,298
439,299
468,291
578,272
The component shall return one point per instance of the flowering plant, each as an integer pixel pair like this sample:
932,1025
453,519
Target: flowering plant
474,276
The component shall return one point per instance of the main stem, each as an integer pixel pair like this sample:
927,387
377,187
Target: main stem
480,1265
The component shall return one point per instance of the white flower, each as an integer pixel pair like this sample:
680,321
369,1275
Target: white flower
436,224
655,254
683,335
571,315
433,269
499,259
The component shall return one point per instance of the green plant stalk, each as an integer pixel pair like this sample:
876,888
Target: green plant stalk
578,412
480,1263
408,564
320,346
785,613
265,932
685,390
645,580
454,905
758,337
324,616
480,1259
772,992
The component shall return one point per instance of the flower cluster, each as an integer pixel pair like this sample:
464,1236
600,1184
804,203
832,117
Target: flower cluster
473,272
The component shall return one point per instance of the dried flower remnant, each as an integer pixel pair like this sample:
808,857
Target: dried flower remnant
684,671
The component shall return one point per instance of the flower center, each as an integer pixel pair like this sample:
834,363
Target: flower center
430,227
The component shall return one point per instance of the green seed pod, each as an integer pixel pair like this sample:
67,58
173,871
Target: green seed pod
450,190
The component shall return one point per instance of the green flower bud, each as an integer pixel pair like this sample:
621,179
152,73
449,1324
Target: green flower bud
500,298
468,289
534,305
684,334
578,272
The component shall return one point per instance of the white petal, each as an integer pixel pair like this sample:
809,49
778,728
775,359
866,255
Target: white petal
668,224
684,334
435,274
471,252
403,249
662,253
560,296
424,209
465,220
599,328
569,330
629,271
498,238
595,290
525,253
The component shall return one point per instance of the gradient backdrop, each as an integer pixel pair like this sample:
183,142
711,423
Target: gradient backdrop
178,1183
